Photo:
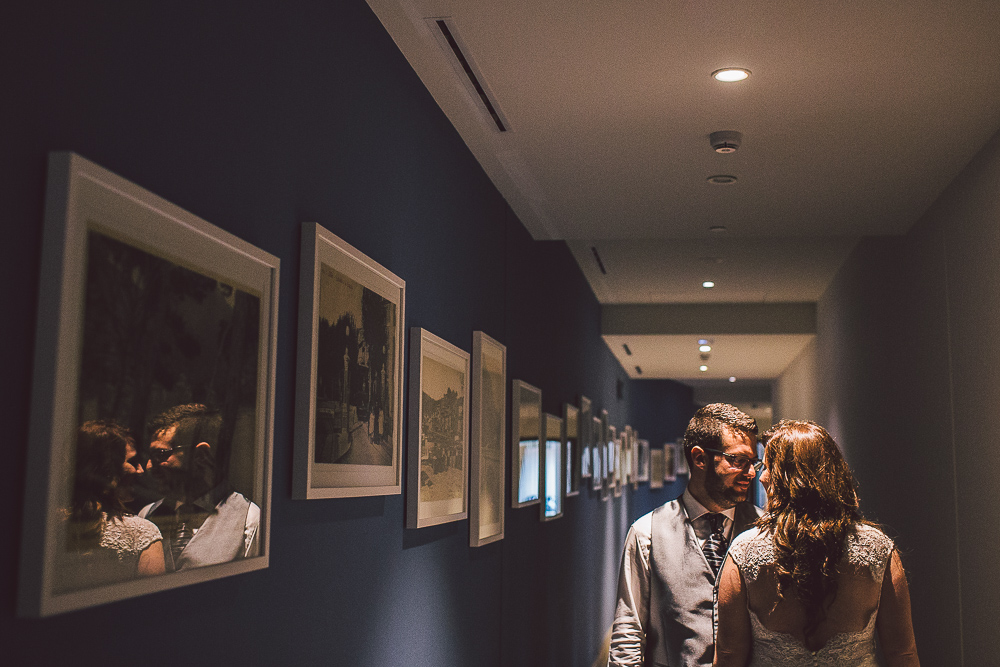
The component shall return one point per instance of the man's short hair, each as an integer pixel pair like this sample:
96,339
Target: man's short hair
706,428
195,423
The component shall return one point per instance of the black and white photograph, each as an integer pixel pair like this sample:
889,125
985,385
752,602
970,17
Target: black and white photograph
571,455
158,410
488,440
437,479
348,438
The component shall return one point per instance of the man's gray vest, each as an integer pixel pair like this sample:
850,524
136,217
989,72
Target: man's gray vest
681,586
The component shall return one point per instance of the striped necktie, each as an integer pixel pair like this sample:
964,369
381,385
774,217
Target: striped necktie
716,544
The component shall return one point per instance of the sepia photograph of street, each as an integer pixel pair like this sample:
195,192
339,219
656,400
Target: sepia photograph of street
442,446
355,373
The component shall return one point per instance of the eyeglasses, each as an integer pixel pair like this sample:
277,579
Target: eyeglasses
160,454
738,460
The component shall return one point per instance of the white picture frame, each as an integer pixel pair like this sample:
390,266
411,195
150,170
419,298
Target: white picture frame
488,440
349,375
438,449
118,257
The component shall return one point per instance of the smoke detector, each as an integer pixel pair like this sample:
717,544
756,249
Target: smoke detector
725,141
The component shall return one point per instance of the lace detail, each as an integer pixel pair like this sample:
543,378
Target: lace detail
866,546
778,649
127,536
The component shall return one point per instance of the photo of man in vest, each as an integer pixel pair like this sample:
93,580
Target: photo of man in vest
664,613
202,519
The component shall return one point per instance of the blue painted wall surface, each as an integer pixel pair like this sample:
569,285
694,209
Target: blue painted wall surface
258,116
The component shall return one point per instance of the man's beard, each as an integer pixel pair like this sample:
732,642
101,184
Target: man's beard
717,490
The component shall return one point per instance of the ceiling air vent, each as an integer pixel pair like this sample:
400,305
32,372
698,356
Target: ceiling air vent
472,79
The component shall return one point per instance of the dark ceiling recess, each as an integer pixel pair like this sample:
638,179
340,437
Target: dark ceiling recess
467,68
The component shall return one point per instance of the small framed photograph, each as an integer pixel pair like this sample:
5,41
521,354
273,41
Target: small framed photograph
488,440
670,456
656,474
643,457
553,470
680,461
525,431
586,436
571,442
155,353
619,457
437,484
349,379
596,453
610,463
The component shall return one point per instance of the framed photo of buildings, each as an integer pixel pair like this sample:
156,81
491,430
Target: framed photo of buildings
156,340
525,433
349,376
488,440
437,482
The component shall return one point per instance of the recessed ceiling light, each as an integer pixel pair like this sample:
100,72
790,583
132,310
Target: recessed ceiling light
730,74
732,379
708,284
722,179
704,348
702,368
717,229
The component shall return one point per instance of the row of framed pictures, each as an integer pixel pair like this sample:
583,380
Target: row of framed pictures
147,311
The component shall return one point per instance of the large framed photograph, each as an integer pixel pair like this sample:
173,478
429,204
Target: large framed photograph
349,379
155,354
488,440
437,463
552,473
525,432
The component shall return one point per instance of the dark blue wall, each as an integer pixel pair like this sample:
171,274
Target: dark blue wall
257,116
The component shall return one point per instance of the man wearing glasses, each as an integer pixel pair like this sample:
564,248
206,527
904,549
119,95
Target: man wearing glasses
202,520
664,613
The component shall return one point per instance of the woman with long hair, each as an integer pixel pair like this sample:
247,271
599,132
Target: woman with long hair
104,543
814,581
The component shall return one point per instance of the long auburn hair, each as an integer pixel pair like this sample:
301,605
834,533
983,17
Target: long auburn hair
812,508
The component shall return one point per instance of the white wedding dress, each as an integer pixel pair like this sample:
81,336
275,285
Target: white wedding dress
847,634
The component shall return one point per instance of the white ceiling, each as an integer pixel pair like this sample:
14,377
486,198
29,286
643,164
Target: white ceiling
856,117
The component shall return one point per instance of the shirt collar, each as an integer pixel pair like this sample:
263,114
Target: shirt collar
696,510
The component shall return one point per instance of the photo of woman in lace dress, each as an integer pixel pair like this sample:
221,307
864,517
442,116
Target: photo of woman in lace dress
106,544
814,582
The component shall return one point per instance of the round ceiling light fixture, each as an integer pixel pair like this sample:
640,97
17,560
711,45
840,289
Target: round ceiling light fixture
732,378
708,284
704,348
731,74
721,179
717,229
702,368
